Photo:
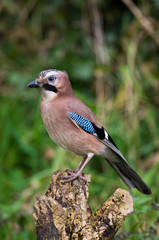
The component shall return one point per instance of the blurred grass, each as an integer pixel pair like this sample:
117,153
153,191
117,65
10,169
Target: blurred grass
116,76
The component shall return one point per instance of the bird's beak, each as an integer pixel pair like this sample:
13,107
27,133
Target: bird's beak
33,84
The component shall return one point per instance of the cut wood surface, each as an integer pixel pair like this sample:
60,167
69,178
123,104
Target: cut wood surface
64,213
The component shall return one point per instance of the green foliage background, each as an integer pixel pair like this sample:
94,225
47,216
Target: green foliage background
113,65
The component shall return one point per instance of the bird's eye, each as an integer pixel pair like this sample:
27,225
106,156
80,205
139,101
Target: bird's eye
51,79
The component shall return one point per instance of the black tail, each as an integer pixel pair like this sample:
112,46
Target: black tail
129,176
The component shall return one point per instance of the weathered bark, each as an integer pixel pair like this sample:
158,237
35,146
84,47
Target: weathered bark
64,213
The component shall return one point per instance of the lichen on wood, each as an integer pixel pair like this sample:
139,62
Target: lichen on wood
63,213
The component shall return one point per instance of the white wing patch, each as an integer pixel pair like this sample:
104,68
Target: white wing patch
106,135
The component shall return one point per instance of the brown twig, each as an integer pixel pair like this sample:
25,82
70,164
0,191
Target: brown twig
144,21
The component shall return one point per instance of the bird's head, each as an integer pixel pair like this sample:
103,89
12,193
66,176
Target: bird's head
52,83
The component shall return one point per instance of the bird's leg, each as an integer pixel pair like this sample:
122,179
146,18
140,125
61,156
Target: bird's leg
71,172
80,164
78,167
73,175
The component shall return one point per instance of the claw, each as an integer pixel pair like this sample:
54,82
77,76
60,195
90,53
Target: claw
72,176
75,176
78,171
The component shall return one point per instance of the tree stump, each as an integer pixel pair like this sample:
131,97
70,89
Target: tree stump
64,213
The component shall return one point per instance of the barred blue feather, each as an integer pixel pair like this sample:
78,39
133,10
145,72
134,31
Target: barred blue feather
85,124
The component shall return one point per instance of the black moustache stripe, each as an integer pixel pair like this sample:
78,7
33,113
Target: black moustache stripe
50,87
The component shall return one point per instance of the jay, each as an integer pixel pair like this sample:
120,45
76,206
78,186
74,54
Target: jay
72,125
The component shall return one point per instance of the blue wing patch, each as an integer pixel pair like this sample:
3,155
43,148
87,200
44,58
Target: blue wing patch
85,124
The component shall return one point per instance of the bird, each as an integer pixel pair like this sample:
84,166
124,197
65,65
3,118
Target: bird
72,125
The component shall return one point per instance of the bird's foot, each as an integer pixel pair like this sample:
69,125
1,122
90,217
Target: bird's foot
72,176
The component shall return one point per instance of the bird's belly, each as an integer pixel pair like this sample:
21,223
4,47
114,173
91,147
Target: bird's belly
78,142
67,135
70,141
74,140
61,135
65,141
